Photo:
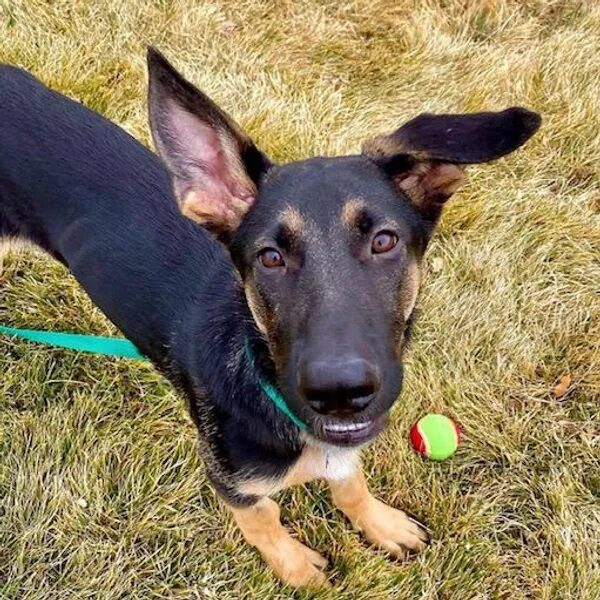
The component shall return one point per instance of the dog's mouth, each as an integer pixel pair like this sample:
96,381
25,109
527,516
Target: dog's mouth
351,434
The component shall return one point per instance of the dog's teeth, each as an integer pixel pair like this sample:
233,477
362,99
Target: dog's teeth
341,427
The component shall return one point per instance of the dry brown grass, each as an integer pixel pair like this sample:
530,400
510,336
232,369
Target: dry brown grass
101,492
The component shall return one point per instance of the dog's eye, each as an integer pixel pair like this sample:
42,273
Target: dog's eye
271,258
384,241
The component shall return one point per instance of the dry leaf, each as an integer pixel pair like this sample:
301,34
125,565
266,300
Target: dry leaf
560,389
229,28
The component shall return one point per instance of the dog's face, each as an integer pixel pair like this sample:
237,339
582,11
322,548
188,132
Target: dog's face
329,256
328,249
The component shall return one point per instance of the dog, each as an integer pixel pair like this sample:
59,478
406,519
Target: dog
277,299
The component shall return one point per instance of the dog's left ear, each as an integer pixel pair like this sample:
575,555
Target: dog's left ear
216,167
424,157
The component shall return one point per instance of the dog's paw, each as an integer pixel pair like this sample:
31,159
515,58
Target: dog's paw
390,529
294,563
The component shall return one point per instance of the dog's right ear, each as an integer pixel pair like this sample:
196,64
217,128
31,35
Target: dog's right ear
216,167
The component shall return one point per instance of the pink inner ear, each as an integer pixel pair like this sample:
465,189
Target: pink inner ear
211,185
199,147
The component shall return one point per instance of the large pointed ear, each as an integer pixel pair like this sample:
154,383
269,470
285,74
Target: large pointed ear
216,167
424,157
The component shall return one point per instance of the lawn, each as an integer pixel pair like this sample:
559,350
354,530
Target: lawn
102,492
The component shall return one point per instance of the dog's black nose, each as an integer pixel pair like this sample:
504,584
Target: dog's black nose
339,386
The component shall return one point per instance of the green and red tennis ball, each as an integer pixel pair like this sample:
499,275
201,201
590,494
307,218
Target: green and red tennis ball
435,436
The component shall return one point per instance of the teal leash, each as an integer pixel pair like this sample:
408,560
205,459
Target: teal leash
108,346
273,393
94,344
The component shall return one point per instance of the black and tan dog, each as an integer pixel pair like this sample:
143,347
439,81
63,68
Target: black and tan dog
286,334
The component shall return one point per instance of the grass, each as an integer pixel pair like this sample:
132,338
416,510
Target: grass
102,493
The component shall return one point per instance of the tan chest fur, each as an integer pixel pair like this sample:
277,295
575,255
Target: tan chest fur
315,462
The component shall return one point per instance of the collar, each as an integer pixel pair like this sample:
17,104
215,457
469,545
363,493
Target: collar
271,391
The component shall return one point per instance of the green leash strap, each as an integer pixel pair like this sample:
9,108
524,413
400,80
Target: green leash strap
97,344
94,344
279,401
274,394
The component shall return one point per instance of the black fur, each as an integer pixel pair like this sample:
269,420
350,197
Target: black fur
101,203
469,138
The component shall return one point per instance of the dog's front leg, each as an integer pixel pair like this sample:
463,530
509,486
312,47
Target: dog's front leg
293,562
383,526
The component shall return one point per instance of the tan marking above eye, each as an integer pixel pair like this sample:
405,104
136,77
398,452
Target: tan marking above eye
352,211
292,219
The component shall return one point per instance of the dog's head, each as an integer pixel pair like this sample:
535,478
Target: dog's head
329,249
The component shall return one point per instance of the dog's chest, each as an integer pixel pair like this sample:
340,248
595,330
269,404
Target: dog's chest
323,462
315,462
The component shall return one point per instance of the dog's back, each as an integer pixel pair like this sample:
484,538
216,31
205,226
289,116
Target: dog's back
89,194
60,158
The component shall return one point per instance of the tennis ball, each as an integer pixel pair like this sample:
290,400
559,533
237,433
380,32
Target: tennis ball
435,436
